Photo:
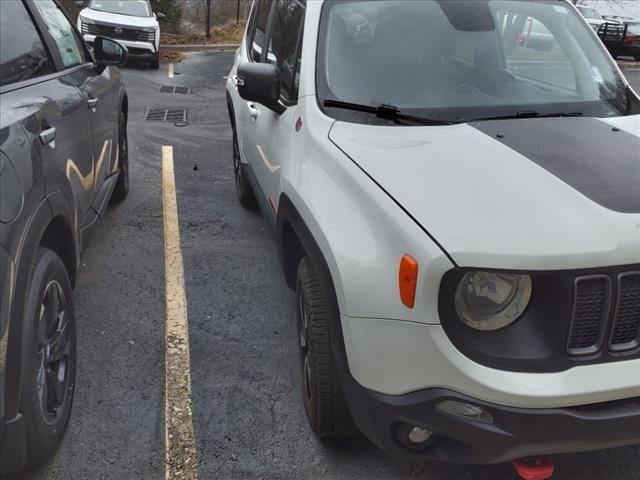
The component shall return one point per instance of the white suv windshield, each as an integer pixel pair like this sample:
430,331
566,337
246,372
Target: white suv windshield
134,8
459,60
590,13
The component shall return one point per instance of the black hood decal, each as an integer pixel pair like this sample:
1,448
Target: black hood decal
598,160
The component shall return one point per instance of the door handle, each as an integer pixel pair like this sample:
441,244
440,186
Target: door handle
253,111
92,103
48,136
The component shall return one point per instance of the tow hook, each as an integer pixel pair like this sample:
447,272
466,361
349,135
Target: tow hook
536,468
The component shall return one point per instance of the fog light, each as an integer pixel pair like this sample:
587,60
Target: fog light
418,435
465,410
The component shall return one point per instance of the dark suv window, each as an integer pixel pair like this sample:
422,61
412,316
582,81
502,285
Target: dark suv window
285,42
68,45
23,56
259,33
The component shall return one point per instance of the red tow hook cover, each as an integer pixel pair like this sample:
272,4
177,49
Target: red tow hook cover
537,468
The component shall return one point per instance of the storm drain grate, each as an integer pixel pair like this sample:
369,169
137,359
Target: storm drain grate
166,115
174,89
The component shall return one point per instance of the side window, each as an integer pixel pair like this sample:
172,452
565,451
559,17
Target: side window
68,44
259,33
23,56
284,44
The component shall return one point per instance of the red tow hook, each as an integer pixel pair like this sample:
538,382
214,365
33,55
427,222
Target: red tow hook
536,468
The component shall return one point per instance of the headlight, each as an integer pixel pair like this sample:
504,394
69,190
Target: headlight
492,300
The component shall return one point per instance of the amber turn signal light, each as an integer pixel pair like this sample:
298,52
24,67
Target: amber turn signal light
408,280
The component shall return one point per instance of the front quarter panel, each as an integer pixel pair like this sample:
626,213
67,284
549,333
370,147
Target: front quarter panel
360,230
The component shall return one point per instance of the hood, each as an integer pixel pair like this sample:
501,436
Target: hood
532,194
117,19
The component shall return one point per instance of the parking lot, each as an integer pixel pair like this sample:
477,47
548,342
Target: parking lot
247,415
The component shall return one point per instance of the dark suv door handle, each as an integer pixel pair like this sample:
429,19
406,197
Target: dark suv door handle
48,136
92,103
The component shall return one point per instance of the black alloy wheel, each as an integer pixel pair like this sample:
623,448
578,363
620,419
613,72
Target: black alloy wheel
48,357
53,353
121,189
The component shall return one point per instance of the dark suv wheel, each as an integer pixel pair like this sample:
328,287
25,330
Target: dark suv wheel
322,394
48,357
121,189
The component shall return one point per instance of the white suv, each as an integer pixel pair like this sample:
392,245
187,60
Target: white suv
132,22
458,209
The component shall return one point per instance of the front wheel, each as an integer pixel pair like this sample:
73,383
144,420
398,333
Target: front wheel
155,62
322,395
121,189
49,357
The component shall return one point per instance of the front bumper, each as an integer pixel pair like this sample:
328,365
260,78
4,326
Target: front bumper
513,432
136,49
397,372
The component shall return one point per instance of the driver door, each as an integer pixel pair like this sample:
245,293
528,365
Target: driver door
270,134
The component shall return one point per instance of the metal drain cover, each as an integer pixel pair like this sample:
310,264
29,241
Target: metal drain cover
175,89
166,115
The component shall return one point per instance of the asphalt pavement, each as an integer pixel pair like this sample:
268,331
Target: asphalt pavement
247,414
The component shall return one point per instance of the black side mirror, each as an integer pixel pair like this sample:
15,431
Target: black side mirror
260,83
160,16
79,3
107,52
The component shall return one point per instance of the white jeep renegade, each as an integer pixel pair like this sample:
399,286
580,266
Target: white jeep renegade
454,187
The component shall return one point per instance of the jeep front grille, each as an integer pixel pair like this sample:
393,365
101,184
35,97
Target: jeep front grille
626,326
598,310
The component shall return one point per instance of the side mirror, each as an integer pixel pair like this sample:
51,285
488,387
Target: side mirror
160,16
107,52
79,3
260,83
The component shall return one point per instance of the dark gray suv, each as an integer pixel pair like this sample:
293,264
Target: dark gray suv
63,158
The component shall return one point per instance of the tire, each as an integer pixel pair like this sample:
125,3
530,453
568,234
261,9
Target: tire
637,58
155,62
243,188
48,357
322,395
121,189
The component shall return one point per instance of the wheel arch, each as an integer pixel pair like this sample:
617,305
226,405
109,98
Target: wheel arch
51,218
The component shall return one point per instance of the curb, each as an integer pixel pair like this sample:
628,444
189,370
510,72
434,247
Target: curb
200,48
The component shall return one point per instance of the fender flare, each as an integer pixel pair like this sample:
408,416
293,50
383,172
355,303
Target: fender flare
52,206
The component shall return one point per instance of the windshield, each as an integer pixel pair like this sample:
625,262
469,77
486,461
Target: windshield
590,13
134,8
460,60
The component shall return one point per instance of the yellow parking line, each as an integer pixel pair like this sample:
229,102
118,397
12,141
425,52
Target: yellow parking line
180,448
171,70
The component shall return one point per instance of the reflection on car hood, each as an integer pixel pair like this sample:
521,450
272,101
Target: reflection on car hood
524,194
116,19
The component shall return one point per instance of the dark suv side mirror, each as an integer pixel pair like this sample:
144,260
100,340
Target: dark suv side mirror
260,83
107,52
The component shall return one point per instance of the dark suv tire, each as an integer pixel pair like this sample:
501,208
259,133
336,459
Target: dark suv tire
121,189
48,357
243,188
322,395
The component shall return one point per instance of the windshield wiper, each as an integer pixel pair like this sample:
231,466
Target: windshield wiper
387,112
530,114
